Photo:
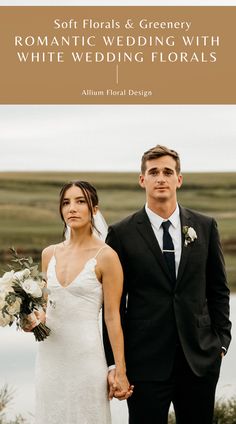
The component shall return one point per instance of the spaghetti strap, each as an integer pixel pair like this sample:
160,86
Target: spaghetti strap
54,250
101,248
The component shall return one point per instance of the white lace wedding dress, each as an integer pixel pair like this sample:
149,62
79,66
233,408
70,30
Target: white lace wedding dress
71,371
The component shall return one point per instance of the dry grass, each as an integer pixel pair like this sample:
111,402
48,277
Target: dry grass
29,217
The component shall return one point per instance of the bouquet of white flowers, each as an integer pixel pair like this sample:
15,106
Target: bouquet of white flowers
22,291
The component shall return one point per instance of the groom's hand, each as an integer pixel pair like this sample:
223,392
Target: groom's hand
121,395
113,388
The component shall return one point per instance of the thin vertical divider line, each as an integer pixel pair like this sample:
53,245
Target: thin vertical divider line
117,74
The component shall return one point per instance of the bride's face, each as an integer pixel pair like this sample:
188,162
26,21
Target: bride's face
75,209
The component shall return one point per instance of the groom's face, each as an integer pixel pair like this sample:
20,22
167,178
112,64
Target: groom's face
160,179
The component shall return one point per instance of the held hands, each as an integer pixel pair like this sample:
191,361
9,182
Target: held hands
118,385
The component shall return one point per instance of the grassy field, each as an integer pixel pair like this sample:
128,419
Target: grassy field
29,218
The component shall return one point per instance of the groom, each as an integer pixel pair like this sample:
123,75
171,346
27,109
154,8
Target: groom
175,305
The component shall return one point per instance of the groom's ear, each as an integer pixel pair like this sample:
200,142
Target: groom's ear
180,180
141,181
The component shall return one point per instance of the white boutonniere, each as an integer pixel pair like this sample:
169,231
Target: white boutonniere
189,234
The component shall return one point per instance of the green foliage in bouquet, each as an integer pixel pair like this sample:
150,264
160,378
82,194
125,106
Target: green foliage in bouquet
22,291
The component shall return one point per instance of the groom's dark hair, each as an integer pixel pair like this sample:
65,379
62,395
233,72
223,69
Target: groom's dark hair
90,194
157,152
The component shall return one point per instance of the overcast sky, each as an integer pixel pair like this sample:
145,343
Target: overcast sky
106,138
114,137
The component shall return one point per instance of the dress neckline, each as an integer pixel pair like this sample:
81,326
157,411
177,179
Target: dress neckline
93,258
77,276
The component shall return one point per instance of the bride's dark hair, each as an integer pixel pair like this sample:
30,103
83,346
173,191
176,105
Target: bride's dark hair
90,194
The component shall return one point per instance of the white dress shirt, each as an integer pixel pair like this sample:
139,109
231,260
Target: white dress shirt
174,230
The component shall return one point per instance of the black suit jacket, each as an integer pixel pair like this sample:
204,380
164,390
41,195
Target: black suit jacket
155,316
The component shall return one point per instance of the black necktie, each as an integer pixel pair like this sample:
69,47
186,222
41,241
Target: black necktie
168,249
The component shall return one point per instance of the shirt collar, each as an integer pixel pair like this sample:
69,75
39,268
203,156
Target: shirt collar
156,220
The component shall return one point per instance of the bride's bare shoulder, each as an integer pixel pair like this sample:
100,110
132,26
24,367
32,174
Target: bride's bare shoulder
107,253
49,251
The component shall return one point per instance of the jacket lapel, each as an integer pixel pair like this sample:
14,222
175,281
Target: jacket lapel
185,220
145,229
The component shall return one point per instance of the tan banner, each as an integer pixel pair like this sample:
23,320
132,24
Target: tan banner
117,55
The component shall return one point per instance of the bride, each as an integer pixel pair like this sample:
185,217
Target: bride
82,273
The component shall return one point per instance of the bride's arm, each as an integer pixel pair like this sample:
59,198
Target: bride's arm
45,258
36,316
112,281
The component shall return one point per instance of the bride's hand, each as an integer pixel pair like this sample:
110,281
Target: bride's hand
29,322
122,388
33,319
40,315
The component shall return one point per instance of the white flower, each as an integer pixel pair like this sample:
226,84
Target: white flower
5,320
21,292
42,284
190,235
31,286
2,300
7,279
21,275
14,308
